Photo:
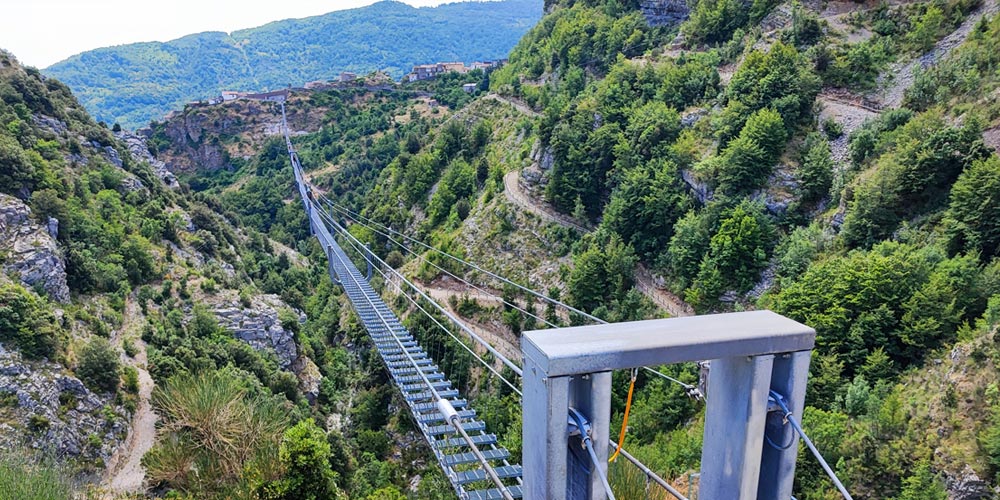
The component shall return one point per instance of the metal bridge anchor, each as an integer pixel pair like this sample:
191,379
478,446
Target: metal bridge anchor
752,353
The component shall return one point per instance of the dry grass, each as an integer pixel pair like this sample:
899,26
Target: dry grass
213,432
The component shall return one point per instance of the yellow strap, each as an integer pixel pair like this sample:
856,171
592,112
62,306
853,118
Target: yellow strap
628,406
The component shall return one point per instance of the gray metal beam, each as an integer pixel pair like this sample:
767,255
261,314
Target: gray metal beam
617,346
562,366
788,378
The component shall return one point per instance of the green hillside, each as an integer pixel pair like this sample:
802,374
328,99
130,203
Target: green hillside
837,167
133,84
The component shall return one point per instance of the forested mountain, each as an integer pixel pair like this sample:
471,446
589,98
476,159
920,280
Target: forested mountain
835,162
135,83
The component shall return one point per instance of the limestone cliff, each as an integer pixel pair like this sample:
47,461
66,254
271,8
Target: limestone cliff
29,250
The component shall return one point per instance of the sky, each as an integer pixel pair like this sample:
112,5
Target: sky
43,32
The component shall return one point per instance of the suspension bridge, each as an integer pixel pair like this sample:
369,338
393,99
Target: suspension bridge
566,381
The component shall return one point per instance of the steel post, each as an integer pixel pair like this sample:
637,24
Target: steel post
777,466
734,427
546,403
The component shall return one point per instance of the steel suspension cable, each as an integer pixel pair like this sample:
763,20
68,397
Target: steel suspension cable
649,473
453,275
438,323
691,389
444,406
510,364
469,264
790,418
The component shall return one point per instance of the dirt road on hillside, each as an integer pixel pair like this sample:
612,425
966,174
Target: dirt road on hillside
519,197
125,473
673,304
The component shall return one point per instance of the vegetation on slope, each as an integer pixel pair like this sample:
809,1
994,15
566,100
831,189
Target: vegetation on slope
144,260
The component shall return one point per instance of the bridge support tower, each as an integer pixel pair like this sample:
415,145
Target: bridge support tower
751,353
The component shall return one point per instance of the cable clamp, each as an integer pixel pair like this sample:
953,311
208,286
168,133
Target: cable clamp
578,425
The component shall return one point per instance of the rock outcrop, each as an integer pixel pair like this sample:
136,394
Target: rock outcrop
29,251
44,406
701,191
259,326
140,151
968,486
664,12
309,377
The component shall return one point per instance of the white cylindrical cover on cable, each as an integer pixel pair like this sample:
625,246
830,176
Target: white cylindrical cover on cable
446,409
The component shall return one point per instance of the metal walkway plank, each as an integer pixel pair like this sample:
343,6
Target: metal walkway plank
507,471
494,494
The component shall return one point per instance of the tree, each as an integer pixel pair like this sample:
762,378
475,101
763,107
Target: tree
305,455
737,252
748,161
815,169
646,205
766,128
27,322
925,31
923,485
689,244
714,21
973,217
99,366
16,170
587,281
602,273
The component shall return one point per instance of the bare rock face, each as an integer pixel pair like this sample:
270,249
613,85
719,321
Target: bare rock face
140,151
29,251
309,377
967,486
259,326
54,125
187,134
45,407
699,189
690,118
664,12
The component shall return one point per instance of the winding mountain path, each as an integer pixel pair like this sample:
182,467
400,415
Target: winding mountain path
519,197
904,74
673,304
125,473
516,103
643,277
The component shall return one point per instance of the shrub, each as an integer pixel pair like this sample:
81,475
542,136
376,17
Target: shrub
305,455
38,423
833,129
99,367
130,380
25,321
215,420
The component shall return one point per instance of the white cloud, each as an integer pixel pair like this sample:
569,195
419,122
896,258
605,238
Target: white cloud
43,32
